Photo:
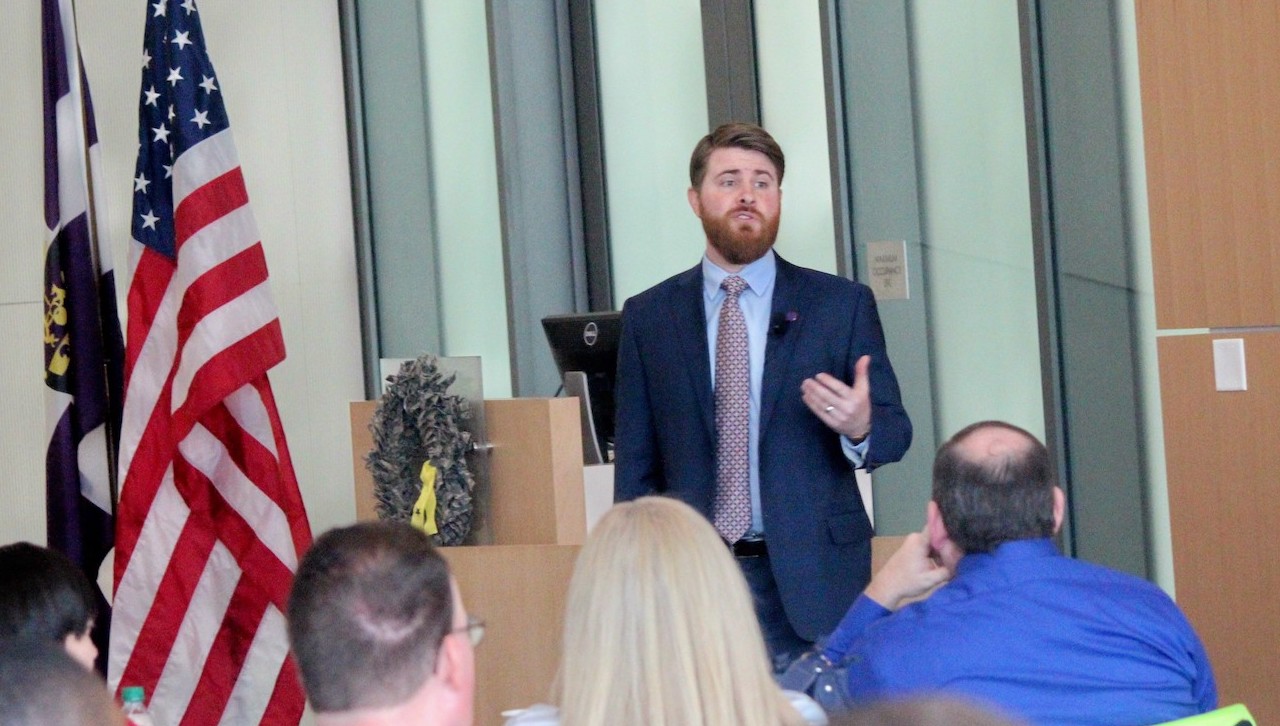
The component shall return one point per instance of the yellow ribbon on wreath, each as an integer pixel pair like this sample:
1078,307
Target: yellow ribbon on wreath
424,510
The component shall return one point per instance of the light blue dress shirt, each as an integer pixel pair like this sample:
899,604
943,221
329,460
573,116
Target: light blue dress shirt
757,304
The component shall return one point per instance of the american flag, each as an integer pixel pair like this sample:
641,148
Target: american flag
82,347
210,524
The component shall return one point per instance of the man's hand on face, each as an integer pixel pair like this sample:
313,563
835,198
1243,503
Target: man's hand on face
911,572
844,409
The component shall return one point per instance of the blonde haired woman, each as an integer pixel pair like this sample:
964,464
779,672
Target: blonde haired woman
659,631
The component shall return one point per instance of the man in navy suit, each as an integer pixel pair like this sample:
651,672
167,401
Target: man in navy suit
823,398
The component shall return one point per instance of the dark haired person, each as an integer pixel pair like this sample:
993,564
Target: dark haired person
377,626
752,389
1041,636
42,685
45,597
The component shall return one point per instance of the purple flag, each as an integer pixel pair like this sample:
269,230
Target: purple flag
83,350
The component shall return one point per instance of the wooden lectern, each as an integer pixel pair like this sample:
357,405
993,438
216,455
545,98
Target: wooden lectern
536,522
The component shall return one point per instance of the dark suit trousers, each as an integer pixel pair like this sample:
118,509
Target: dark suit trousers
781,639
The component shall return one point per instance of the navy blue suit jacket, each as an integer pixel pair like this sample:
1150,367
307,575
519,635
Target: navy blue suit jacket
817,529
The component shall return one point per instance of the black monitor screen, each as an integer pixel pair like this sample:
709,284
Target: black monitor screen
588,342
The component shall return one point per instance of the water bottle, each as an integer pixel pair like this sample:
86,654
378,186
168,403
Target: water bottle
135,706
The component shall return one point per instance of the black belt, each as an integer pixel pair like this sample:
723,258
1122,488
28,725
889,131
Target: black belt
749,548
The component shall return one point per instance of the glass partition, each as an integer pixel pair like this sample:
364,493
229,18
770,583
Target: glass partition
975,206
464,176
653,109
793,107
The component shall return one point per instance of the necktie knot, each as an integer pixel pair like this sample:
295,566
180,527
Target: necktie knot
733,285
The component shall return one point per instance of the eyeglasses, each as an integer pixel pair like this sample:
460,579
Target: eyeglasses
474,630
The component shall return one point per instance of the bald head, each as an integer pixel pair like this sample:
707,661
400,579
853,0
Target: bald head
992,483
993,444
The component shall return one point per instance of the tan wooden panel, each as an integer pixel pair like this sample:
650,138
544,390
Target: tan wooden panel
1223,456
519,591
536,471
882,548
1211,120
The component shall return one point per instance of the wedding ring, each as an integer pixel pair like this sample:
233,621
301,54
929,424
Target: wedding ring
829,409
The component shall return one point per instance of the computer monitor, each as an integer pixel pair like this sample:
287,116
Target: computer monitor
585,349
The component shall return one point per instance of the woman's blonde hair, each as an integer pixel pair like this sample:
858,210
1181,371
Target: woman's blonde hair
659,628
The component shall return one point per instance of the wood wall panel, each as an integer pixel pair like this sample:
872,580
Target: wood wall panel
1223,456
1210,78
1209,72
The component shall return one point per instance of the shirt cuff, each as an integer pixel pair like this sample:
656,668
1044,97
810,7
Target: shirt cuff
864,612
855,453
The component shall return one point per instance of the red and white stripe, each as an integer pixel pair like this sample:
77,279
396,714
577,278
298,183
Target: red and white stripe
210,524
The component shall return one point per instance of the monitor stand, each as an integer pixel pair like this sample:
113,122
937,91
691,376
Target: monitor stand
575,384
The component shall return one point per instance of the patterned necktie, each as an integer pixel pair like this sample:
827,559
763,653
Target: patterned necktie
731,511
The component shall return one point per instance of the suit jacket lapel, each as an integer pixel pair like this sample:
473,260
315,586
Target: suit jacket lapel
788,308
688,313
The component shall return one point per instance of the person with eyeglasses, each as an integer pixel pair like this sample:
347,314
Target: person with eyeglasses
379,631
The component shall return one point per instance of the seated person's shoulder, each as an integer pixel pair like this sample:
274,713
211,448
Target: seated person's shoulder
1132,603
1116,584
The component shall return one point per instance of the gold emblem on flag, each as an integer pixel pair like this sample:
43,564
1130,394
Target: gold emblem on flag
57,341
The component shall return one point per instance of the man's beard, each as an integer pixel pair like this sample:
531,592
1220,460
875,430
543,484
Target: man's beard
737,245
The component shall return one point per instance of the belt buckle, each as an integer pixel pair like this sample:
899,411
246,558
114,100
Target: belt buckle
748,548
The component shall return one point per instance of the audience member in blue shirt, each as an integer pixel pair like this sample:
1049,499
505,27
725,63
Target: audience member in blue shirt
1019,626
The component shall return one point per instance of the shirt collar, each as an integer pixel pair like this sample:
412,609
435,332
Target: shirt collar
759,275
1021,550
